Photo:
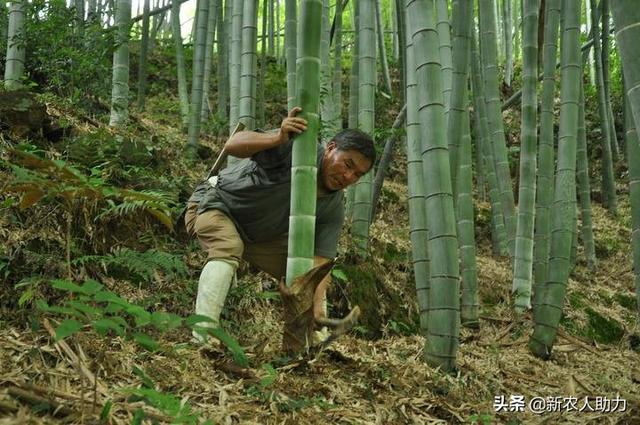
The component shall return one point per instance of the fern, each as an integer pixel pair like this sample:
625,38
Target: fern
37,179
142,264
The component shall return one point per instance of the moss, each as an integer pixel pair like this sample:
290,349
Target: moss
602,329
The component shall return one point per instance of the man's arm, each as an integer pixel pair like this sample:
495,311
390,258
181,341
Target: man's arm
247,143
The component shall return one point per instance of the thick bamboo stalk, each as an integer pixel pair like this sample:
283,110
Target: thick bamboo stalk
381,48
418,232
462,19
249,64
508,41
302,217
470,297
633,153
548,313
366,120
326,96
16,52
208,59
494,116
523,259
235,63
444,36
144,50
202,18
608,183
290,46
223,59
444,299
498,232
183,94
626,15
120,78
584,189
354,83
544,187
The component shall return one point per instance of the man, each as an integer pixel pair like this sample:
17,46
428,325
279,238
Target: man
244,213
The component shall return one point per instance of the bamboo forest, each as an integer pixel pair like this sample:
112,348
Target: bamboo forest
319,212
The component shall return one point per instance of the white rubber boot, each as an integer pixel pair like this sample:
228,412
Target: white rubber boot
213,287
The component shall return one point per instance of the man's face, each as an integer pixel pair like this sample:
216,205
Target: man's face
341,168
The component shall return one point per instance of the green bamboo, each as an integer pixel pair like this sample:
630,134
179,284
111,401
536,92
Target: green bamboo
382,50
326,97
584,188
249,64
633,153
508,41
494,116
626,16
417,213
469,300
202,18
462,20
235,63
144,50
444,36
608,182
120,85
547,314
336,119
444,299
16,52
544,187
223,60
263,67
605,79
182,74
498,233
366,120
354,83
290,46
402,41
523,260
208,59
270,24
303,168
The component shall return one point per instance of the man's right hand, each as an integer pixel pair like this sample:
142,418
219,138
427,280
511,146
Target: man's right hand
291,125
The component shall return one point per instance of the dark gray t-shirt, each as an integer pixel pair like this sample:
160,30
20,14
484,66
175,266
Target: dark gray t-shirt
255,192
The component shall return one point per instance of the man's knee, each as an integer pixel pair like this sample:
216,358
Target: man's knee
218,236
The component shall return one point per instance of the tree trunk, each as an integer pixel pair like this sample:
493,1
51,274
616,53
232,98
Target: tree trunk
234,64
444,36
382,49
223,60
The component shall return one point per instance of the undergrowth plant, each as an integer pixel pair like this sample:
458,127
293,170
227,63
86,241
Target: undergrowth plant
109,314
40,179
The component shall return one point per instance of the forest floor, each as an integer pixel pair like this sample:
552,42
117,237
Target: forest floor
359,379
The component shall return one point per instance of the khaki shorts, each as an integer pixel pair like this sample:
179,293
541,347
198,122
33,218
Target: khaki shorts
218,236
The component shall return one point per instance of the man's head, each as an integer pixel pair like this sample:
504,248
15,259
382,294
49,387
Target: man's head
348,156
